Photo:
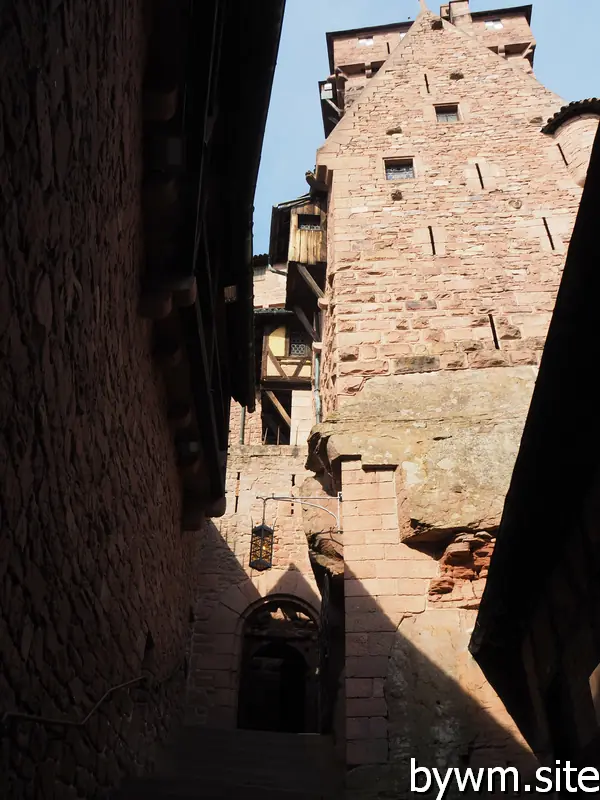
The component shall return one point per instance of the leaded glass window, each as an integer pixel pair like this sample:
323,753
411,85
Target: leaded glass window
299,345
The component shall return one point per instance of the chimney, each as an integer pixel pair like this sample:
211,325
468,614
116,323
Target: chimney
460,13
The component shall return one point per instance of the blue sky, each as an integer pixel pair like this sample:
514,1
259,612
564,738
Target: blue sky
567,61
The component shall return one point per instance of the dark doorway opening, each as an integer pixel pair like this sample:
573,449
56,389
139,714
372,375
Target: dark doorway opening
279,676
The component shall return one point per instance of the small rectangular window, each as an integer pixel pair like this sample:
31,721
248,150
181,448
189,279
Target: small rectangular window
494,24
400,170
299,344
402,35
447,113
365,41
309,222
327,91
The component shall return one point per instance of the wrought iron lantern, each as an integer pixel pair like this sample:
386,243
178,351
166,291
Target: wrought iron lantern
261,547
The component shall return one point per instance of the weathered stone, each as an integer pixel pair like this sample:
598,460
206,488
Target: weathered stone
410,364
441,585
457,553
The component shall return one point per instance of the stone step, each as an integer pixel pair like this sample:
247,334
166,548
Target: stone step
182,789
272,760
249,765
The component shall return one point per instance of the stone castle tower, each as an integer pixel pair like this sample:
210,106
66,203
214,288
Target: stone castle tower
402,317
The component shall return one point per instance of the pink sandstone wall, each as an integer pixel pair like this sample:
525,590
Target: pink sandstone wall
359,61
416,268
397,307
409,614
227,588
269,288
576,139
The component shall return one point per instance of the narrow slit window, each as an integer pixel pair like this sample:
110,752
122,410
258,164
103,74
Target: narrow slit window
427,84
480,176
549,234
400,170
494,332
447,113
237,492
432,240
309,222
387,44
562,152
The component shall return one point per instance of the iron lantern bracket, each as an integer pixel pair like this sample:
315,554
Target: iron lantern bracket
306,501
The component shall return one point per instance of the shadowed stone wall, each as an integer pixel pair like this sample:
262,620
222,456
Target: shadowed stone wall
93,564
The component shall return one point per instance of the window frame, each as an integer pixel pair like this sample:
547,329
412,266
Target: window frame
298,333
444,109
308,226
402,161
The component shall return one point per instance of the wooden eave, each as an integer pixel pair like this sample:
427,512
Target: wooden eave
198,281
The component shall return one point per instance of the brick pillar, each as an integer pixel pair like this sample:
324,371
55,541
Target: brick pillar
383,582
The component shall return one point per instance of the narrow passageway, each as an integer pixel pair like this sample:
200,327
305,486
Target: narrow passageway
279,683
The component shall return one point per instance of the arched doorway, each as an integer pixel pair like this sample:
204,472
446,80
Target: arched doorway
279,675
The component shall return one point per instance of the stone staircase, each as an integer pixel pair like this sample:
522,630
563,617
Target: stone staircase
242,765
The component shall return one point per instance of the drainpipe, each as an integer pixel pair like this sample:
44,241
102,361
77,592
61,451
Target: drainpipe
317,392
243,425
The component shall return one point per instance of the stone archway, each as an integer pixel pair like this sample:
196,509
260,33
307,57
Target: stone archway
279,681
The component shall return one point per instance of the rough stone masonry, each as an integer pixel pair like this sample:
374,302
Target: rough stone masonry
449,216
94,569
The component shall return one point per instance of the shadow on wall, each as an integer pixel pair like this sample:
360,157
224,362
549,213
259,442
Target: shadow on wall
228,603
402,704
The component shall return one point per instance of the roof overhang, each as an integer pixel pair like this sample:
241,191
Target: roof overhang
570,111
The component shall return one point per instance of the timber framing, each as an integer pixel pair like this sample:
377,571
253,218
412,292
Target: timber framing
198,233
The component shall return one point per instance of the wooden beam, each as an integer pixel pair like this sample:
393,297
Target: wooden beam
279,407
335,108
310,281
300,367
303,319
274,360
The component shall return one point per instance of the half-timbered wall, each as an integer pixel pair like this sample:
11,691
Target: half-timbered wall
278,364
